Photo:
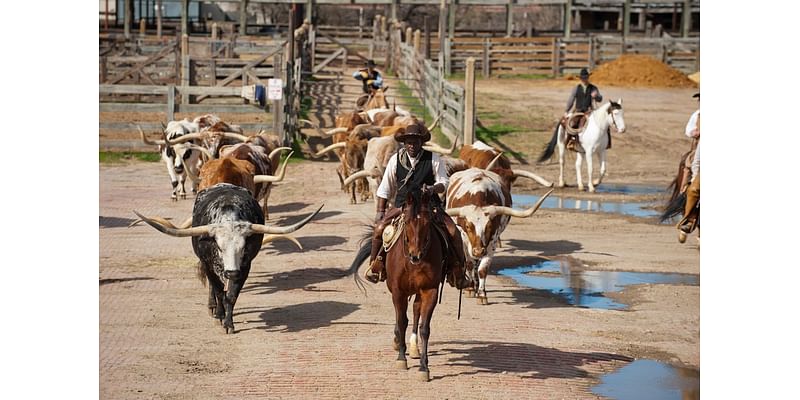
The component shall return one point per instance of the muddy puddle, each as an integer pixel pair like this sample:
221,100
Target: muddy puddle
585,288
630,208
652,380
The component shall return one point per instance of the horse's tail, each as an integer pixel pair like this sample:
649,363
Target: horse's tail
677,183
548,152
674,207
361,255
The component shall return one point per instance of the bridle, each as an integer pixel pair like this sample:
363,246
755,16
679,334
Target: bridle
613,119
425,246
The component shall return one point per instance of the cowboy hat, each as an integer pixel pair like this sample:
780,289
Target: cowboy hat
696,95
417,130
370,63
584,73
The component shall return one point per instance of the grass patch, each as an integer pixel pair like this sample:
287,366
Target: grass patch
416,108
489,115
492,132
112,157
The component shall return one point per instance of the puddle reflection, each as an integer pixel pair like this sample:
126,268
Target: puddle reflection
649,379
586,288
643,210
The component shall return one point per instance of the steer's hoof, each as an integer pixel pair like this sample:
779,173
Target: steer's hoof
229,330
423,376
401,364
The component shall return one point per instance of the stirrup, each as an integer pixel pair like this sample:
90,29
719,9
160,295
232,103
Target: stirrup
375,277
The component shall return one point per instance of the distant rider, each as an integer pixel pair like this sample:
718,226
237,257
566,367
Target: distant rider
582,98
370,78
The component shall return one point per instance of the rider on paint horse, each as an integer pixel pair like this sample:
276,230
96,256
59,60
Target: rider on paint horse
413,170
691,213
581,99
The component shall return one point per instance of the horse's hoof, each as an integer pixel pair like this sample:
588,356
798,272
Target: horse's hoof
483,300
413,350
592,190
424,376
229,330
401,364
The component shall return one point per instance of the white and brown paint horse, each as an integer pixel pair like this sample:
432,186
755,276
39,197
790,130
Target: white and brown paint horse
593,139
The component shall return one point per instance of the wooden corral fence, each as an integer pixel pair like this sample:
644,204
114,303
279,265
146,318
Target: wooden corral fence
554,56
198,75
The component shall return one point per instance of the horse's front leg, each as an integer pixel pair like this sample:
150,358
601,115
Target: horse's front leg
602,157
426,309
401,323
561,147
483,272
590,170
578,166
413,348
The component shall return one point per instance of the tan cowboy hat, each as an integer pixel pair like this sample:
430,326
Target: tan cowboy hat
418,130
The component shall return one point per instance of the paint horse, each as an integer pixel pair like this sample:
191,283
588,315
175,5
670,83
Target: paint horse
415,267
593,139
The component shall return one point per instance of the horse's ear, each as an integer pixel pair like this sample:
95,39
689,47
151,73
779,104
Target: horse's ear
619,101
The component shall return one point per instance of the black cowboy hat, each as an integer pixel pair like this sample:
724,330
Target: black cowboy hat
370,63
418,130
696,95
584,73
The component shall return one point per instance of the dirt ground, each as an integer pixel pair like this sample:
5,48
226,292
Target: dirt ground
305,331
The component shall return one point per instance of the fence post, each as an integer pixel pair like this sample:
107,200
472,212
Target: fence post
184,67
103,69
158,18
243,17
277,105
409,36
416,42
469,102
170,103
214,31
447,59
556,56
567,18
142,27
592,62
486,66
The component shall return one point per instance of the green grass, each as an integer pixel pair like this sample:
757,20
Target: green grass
489,115
416,108
112,157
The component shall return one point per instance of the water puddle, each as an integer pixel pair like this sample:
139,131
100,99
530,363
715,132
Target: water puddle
586,288
649,379
634,209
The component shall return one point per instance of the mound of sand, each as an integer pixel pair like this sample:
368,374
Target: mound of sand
635,70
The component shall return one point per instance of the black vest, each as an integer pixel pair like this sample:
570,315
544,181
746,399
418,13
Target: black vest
583,100
373,76
423,173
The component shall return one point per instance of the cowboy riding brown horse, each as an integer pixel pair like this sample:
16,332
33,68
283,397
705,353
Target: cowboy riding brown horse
415,266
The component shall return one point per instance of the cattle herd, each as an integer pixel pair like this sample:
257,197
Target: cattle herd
232,175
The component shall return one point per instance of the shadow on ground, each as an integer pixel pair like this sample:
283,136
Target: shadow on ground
300,317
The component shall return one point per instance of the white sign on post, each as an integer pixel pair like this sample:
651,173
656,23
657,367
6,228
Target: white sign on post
275,89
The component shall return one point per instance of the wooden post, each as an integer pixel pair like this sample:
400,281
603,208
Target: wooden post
214,31
469,103
556,56
212,66
686,24
184,67
243,17
447,58
567,18
394,11
626,18
309,11
277,108
442,24
451,19
103,69
184,19
170,103
417,42
509,19
409,36
592,53
158,18
427,39
642,17
344,61
128,18
360,22
648,28
486,67
383,27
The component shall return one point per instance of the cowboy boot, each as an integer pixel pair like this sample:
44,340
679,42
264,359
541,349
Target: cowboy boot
456,253
377,268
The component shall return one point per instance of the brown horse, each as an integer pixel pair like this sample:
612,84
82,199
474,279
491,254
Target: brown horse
375,99
415,266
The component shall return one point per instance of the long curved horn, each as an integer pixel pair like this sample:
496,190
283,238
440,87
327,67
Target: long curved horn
270,238
165,221
259,228
163,127
234,135
331,147
441,150
435,122
455,212
335,131
313,125
278,150
494,210
494,161
358,175
201,149
274,178
531,175
172,231
146,140
183,138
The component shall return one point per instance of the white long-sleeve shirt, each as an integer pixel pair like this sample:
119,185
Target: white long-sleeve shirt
388,186
690,126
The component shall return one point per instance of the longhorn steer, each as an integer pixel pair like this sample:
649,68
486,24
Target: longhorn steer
227,231
479,155
480,202
180,159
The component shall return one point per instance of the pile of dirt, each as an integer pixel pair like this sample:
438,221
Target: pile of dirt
635,70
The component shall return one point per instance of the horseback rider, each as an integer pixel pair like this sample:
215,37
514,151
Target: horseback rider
412,170
582,100
690,213
370,78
